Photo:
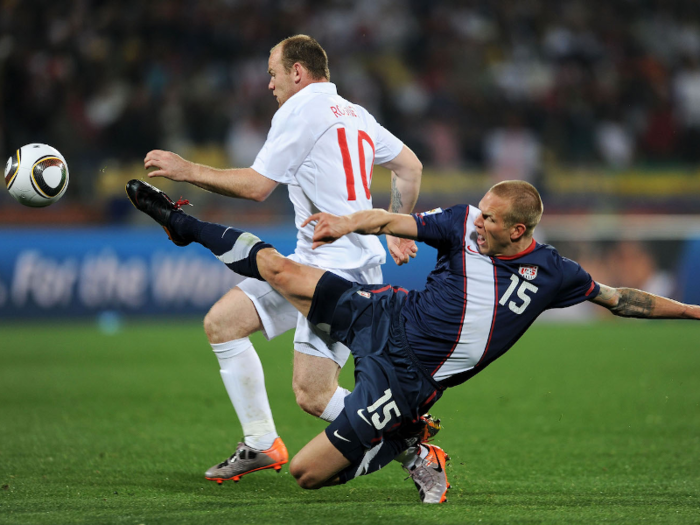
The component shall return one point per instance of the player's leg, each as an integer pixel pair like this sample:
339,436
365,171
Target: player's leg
252,306
346,450
321,463
318,359
318,463
236,248
317,363
232,317
315,384
370,432
228,325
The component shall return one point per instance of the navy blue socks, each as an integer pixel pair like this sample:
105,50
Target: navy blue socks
235,248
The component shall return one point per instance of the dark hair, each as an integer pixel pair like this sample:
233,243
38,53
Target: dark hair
525,203
307,52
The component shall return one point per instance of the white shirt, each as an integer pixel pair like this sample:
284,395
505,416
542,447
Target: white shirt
324,147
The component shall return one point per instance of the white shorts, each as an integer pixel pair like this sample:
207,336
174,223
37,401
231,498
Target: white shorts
278,315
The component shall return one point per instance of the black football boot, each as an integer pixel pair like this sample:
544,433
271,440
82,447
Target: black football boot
157,205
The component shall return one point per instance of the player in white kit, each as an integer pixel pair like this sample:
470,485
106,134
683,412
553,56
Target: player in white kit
323,148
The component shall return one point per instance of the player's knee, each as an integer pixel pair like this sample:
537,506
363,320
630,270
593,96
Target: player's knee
280,271
213,325
310,400
221,326
303,476
308,482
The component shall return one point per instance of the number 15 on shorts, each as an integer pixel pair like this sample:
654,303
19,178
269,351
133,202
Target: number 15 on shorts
379,419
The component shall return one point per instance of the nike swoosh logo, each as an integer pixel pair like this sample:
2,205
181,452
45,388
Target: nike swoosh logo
340,437
469,249
359,413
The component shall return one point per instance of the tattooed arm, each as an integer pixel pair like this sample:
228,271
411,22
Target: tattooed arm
628,302
406,172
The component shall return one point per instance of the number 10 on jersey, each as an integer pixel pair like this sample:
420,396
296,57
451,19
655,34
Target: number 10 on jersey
362,137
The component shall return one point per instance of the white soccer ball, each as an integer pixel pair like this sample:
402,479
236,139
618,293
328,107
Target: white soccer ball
36,175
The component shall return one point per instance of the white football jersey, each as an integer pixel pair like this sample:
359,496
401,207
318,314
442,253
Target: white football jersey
324,148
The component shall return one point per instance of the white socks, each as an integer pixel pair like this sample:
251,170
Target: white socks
335,405
243,378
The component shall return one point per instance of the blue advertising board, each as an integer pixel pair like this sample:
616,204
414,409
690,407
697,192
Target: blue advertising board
78,272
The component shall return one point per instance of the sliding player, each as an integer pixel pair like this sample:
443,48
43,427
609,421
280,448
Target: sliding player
490,283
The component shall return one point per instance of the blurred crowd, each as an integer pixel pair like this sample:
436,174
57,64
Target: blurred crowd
508,86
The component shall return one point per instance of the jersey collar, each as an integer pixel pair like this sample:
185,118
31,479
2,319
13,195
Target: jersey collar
527,250
320,87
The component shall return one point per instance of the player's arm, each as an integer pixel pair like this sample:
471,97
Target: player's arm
331,227
406,173
628,302
244,183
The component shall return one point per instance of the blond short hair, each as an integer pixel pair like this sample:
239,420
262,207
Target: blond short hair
525,203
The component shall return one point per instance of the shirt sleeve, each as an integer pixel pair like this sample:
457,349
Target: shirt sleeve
576,285
288,143
435,227
388,146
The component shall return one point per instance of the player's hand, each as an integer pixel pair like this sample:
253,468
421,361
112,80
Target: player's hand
329,228
168,164
401,250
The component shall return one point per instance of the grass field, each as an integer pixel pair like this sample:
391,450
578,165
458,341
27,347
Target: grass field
577,424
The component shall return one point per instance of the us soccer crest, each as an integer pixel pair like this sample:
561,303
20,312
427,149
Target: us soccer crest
528,271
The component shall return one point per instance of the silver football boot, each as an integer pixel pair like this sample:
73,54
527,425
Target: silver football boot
430,476
246,460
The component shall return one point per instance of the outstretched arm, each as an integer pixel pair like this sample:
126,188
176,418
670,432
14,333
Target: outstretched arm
330,227
297,282
406,173
244,183
628,302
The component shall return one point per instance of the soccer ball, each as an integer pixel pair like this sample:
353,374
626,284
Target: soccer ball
36,175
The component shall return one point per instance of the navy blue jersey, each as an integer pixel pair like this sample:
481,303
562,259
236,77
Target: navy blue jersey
475,307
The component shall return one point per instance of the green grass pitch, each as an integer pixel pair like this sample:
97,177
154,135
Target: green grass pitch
577,424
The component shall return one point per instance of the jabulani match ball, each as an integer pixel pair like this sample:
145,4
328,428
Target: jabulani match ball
36,175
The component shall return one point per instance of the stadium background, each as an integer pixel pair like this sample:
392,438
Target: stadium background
597,103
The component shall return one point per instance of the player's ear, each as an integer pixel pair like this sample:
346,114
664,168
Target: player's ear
297,72
517,231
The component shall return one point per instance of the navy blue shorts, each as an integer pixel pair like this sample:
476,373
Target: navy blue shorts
392,390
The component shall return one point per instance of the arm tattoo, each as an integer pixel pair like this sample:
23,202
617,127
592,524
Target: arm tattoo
634,303
396,203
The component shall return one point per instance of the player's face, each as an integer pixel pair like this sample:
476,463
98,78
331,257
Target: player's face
281,81
493,238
